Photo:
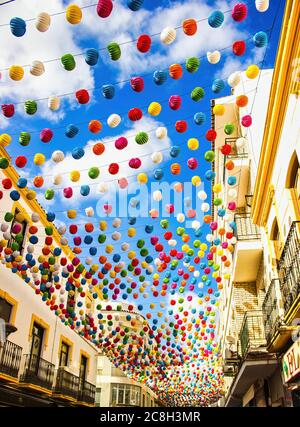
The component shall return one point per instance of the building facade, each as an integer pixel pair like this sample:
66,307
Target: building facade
259,304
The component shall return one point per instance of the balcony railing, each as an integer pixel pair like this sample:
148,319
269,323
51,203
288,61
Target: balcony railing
37,371
236,152
252,335
86,392
245,229
66,383
271,309
289,267
10,359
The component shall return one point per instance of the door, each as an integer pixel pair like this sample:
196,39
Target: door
36,347
82,371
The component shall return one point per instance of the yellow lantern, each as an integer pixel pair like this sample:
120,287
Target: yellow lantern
16,72
154,109
219,110
252,71
73,14
193,144
39,159
5,140
196,180
142,178
75,176
72,213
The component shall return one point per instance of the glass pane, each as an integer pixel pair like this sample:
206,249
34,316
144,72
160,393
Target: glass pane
121,396
5,310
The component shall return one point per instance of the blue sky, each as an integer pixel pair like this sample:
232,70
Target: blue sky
123,25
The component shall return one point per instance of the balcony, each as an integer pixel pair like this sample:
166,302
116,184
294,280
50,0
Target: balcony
66,384
252,335
10,359
271,309
289,268
236,152
86,392
37,371
248,249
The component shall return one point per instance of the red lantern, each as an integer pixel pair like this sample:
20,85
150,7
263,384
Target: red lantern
46,135
181,126
137,84
239,12
143,43
8,110
82,96
21,161
239,48
135,114
73,228
226,149
211,135
113,168
192,163
7,183
104,8
135,163
175,102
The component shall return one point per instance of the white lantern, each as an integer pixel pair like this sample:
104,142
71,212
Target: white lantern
125,246
262,5
53,103
117,222
30,249
209,238
116,235
205,207
161,132
37,68
232,193
168,35
157,196
180,217
103,187
157,157
114,120
35,217
213,57
57,156
57,179
62,229
196,225
89,211
241,142
172,242
202,195
234,79
64,241
43,21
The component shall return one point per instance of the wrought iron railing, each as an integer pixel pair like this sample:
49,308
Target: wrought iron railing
289,267
271,309
10,359
245,229
86,392
66,383
37,371
252,335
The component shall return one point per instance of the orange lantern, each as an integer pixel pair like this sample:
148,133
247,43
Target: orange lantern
207,219
242,101
95,126
175,168
175,71
89,227
98,148
189,27
38,181
229,165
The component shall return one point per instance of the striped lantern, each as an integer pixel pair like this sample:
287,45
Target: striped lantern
199,118
98,148
46,135
135,114
8,110
144,43
68,62
17,27
197,94
37,68
114,51
154,109
181,126
189,27
73,14
57,156
121,143
135,163
77,153
168,35
160,77
30,107
82,96
216,19
175,102
239,47
53,103
218,85
5,140
141,138
94,172
113,168
71,131
108,91
135,5
114,120
24,138
43,22
234,79
192,64
260,39
16,72
104,8
161,132
175,71
95,126
239,12
91,56
213,57
137,84
262,5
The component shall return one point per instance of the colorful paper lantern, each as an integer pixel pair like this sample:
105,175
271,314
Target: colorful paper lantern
114,51
43,22
175,102
46,135
135,114
199,118
82,96
16,72
68,61
91,56
17,27
144,43
161,132
8,110
168,35
189,27
113,168
98,148
104,8
192,64
95,126
108,91
242,101
37,68
121,143
197,94
114,120
73,14
252,71
262,5
175,71
213,57
53,103
24,138
160,77
141,138
234,79
78,153
181,126
154,109
135,5
39,159
239,12
30,107
5,140
216,19
260,39
239,48
71,131
218,85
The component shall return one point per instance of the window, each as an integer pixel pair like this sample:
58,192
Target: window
5,310
64,354
19,238
98,397
125,395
